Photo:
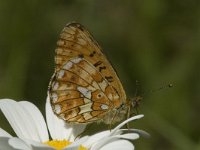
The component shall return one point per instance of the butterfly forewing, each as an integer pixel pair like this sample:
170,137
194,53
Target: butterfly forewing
84,88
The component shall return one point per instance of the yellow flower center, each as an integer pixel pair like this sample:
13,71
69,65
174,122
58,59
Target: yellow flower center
59,145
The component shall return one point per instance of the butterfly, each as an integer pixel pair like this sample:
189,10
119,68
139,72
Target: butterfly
84,87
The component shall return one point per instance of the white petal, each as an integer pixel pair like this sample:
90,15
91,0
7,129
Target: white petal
17,143
140,132
100,143
129,136
58,128
25,119
125,122
38,121
41,147
96,137
118,145
38,145
72,148
105,135
103,142
4,133
4,144
11,110
75,145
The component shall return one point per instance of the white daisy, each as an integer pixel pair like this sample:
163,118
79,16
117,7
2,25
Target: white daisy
32,132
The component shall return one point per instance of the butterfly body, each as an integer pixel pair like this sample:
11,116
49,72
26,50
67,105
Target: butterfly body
85,88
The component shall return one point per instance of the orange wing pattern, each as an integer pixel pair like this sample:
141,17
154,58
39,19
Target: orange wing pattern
84,88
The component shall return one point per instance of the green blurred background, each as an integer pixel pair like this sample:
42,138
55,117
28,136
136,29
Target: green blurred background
152,41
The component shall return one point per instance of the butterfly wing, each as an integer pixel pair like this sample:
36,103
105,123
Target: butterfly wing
84,87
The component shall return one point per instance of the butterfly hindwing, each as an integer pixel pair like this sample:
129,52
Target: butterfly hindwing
84,88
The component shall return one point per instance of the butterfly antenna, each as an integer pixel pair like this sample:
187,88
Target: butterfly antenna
136,99
170,85
137,88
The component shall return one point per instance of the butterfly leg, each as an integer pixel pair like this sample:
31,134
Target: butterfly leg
128,115
110,125
137,88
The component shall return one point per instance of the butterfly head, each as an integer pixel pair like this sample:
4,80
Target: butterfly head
133,105
135,101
